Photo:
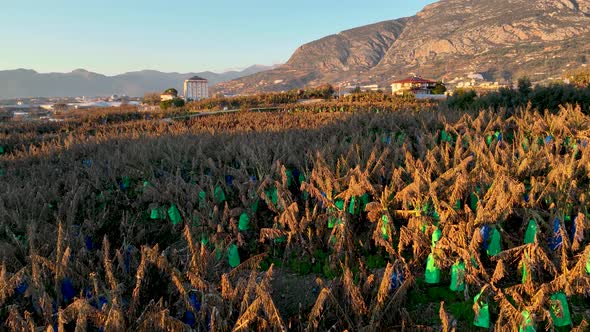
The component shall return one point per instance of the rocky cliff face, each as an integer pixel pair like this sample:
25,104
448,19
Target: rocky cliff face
502,39
355,49
463,27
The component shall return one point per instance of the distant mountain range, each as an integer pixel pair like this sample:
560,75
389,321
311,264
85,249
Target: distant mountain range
22,83
500,39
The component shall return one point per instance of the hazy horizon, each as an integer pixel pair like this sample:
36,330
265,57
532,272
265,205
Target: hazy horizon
223,71
112,38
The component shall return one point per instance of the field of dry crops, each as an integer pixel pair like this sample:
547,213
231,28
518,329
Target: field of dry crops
299,221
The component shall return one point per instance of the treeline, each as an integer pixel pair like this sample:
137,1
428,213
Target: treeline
376,97
540,97
264,99
291,99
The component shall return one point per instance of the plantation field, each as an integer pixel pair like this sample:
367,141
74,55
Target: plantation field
297,220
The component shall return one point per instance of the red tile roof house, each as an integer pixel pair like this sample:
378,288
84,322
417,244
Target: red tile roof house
416,85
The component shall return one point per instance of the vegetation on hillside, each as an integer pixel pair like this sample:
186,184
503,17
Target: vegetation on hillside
580,77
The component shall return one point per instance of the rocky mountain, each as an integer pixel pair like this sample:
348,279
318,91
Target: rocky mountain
499,39
28,83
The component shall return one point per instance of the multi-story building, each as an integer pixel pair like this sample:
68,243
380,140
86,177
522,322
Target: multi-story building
196,88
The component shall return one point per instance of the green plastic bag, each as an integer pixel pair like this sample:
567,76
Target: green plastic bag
474,262
446,137
233,256
147,184
423,227
305,195
244,222
458,277
426,209
124,183
1,150
400,137
364,202
483,319
204,240
332,222
219,194
436,216
174,215
436,235
289,175
495,246
527,324
255,206
588,265
432,275
560,312
301,177
157,213
272,195
351,206
531,232
339,204
202,196
385,221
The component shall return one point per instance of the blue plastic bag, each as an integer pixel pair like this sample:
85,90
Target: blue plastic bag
555,241
397,279
485,232
67,290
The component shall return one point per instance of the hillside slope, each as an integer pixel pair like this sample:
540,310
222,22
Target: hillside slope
501,39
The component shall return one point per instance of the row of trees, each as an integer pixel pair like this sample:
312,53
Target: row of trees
272,99
267,99
540,97
325,92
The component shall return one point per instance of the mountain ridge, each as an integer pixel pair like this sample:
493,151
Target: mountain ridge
500,39
21,83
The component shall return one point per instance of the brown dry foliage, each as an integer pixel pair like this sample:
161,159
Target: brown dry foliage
63,185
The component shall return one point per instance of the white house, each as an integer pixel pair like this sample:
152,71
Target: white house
414,84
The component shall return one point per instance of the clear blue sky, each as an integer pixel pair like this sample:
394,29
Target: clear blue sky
112,37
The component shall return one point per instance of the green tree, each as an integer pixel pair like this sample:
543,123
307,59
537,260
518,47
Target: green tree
462,99
172,92
167,104
178,102
525,87
439,88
